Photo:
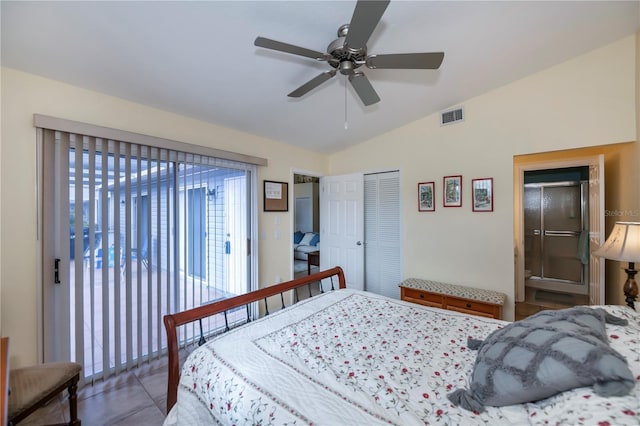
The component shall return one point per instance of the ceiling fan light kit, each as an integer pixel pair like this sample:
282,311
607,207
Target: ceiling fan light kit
349,52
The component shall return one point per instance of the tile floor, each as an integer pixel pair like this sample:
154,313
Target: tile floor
137,397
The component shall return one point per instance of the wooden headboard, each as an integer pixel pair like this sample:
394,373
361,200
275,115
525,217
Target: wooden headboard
172,321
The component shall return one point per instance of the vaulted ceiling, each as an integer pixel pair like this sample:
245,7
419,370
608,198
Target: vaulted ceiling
198,59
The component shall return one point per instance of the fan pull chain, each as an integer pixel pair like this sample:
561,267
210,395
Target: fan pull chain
346,125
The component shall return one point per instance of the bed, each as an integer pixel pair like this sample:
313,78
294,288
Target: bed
353,357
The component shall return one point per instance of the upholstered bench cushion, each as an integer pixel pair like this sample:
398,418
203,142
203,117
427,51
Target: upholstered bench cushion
481,295
31,384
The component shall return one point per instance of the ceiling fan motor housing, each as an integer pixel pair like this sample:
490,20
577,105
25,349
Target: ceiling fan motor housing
344,58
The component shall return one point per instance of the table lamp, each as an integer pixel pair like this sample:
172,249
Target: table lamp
623,245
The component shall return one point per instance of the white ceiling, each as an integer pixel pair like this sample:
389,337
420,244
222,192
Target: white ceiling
198,59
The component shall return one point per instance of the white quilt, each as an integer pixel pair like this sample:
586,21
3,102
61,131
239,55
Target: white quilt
355,358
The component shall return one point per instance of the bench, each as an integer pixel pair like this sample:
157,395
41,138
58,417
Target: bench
468,300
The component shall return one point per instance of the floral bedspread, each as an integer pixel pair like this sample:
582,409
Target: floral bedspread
349,357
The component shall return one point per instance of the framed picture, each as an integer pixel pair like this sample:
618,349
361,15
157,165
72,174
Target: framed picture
276,196
482,194
426,197
452,191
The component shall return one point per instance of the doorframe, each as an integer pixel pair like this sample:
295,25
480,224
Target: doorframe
292,215
518,212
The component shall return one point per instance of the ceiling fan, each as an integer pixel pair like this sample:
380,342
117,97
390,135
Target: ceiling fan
349,52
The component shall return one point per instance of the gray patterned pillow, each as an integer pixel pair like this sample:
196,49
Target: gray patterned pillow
545,354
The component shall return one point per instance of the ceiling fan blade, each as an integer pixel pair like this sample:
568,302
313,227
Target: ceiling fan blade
413,61
364,89
267,43
312,84
365,18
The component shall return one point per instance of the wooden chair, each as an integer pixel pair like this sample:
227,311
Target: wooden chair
32,387
4,379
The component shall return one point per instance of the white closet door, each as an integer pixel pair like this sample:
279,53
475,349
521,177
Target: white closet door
383,256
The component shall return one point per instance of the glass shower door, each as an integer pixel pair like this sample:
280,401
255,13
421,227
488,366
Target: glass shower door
532,231
553,222
562,225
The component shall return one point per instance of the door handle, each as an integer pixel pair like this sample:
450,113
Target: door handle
359,243
561,233
56,271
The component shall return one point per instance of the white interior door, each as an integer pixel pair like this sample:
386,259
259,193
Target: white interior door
342,226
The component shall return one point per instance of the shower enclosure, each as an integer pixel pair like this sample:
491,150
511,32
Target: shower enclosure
556,236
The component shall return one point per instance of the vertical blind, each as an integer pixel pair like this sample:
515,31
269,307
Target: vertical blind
144,231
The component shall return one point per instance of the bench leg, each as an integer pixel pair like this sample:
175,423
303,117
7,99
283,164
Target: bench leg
73,403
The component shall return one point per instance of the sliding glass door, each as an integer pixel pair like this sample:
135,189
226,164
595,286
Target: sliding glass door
130,233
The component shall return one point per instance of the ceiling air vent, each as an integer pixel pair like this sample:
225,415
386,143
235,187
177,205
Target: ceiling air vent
452,116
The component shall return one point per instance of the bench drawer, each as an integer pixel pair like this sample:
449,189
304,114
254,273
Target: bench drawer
419,296
472,306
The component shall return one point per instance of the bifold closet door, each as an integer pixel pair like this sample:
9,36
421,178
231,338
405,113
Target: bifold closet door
383,249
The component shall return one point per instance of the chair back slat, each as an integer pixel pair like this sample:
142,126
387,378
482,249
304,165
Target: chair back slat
4,379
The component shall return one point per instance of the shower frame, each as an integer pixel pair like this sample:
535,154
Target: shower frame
552,283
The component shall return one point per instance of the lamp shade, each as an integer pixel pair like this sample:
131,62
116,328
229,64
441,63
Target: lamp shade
623,243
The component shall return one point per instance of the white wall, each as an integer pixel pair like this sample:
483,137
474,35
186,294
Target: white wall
587,101
26,94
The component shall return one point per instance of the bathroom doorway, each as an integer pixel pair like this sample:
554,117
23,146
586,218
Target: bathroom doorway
559,223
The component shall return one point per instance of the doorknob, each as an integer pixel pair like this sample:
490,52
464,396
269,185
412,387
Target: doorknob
359,243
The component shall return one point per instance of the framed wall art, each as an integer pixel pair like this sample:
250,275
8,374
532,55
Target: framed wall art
426,197
452,191
276,196
482,194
